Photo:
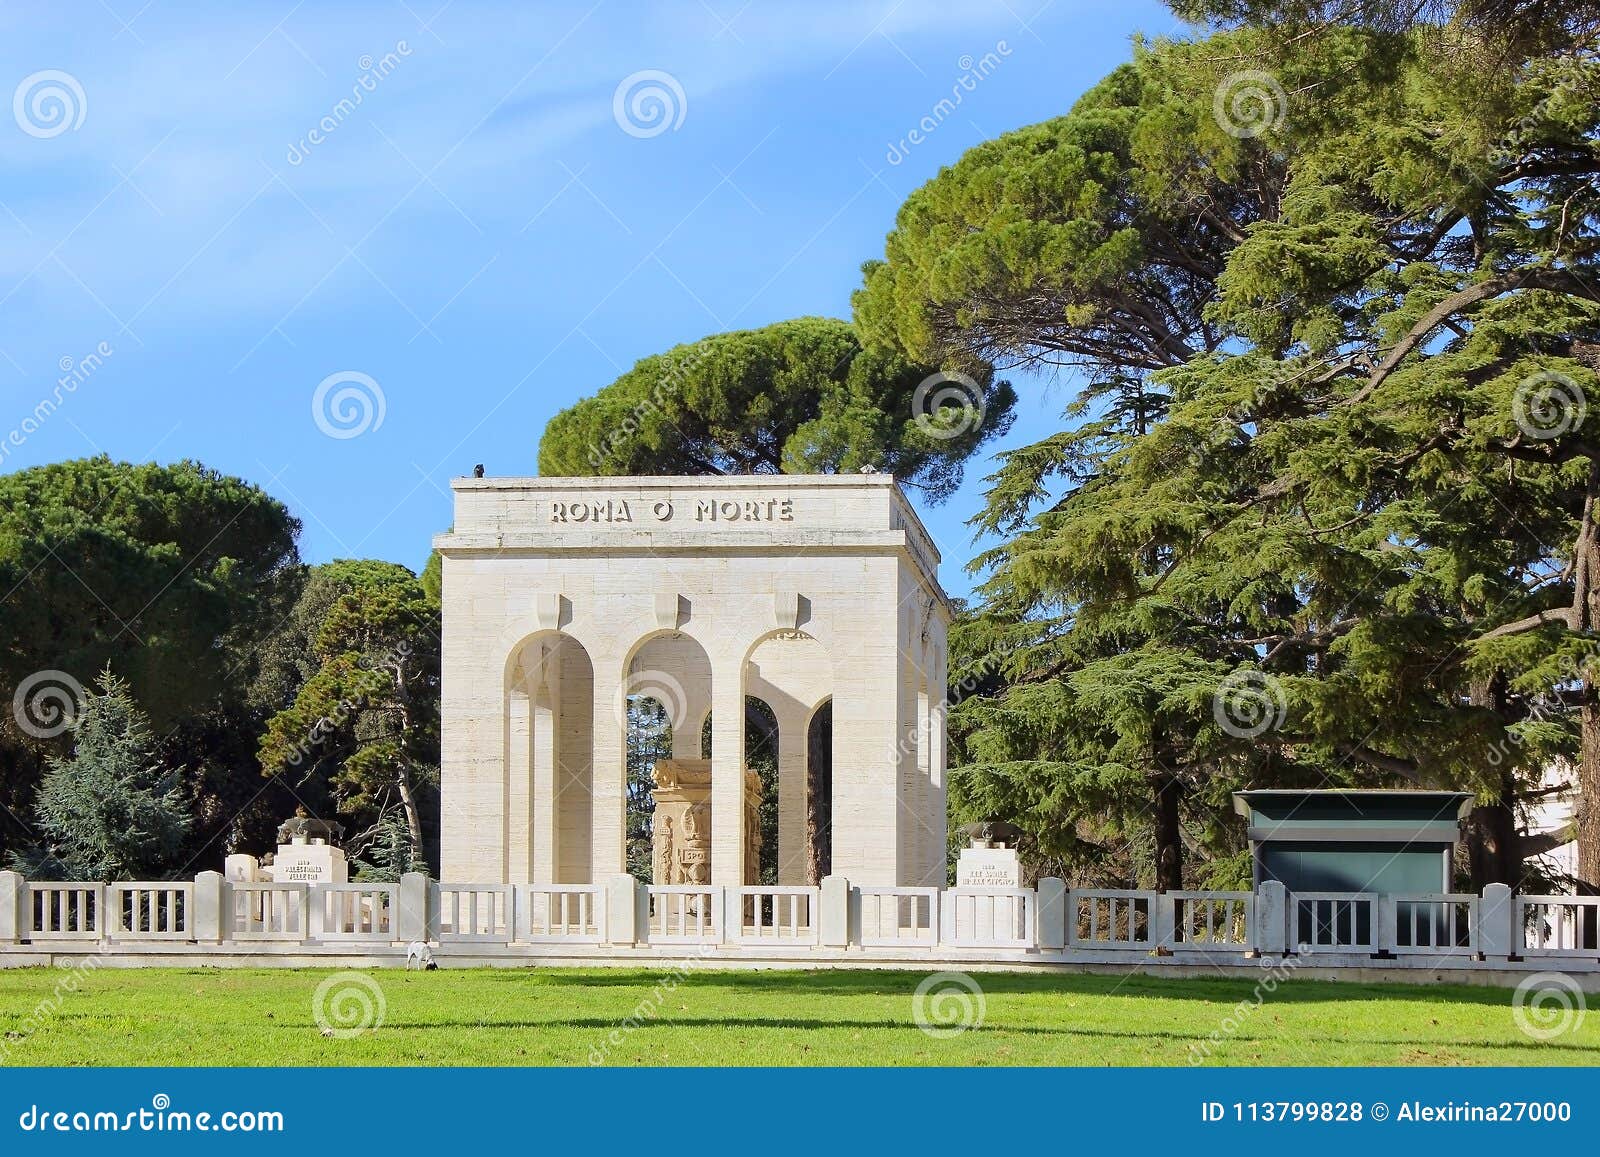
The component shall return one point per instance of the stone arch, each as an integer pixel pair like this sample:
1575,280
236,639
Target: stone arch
548,760
674,669
793,672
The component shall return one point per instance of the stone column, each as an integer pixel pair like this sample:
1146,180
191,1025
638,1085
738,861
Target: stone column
727,768
865,739
471,748
608,847
519,786
938,758
544,722
793,755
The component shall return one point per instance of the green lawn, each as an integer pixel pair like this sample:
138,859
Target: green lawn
537,1017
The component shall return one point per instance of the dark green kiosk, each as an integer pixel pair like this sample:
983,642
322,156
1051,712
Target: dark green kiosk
1372,842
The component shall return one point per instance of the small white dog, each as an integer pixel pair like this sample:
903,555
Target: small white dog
418,953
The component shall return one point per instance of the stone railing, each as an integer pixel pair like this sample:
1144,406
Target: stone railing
835,922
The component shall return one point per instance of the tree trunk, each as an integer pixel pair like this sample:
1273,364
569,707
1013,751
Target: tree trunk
1169,838
1588,804
408,800
1494,849
1494,854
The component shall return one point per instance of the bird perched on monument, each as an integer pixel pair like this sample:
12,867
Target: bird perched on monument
477,471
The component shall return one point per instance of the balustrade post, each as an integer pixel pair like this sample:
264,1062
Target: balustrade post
834,916
415,918
1497,924
1052,919
210,902
316,912
621,911
16,915
522,912
1385,916
1271,922
1163,921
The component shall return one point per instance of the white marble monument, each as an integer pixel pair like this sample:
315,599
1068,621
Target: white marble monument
565,596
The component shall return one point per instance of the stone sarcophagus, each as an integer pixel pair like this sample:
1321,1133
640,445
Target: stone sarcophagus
682,823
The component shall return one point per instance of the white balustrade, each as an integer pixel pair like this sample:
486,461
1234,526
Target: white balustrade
1456,926
1431,924
1212,920
989,917
683,914
1334,921
264,911
1111,918
66,911
149,911
784,914
353,912
899,917
1559,925
470,914
561,913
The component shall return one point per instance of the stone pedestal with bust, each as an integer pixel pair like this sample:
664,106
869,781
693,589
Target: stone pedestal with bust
308,853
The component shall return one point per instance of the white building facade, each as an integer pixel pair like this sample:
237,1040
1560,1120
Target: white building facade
565,597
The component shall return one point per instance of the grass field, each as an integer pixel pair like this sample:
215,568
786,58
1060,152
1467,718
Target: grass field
549,1017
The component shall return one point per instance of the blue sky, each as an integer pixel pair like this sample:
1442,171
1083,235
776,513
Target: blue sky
480,235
